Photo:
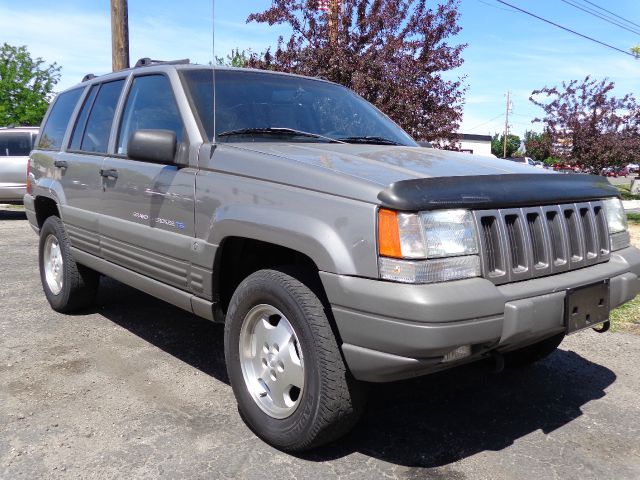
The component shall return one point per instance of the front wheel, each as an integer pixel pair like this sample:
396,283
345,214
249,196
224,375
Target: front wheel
292,386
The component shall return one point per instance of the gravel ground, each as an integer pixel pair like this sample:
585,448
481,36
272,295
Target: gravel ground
136,388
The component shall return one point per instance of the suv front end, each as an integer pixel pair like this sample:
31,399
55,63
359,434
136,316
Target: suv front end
482,270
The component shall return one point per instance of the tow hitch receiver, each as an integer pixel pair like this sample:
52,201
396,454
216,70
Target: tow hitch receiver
603,328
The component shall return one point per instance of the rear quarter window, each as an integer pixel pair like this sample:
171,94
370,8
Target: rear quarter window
58,119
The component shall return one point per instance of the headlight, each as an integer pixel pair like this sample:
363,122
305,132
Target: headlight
449,233
444,241
616,218
617,223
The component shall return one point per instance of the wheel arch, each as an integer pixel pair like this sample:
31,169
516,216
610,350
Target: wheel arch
45,207
238,257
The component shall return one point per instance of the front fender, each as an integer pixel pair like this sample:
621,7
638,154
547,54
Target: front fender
309,236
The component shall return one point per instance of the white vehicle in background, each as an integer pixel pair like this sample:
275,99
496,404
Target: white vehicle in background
633,168
527,161
15,145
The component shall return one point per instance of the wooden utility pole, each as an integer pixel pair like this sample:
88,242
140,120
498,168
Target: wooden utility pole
506,127
119,35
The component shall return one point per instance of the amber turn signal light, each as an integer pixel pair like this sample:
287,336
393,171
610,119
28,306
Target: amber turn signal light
388,234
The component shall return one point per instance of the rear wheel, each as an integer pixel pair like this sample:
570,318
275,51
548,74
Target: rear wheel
532,353
67,285
292,386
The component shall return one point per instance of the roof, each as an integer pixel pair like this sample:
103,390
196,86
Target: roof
477,138
159,65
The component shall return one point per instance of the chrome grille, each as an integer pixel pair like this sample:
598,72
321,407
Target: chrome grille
522,243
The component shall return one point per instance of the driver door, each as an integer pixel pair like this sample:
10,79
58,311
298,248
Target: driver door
148,222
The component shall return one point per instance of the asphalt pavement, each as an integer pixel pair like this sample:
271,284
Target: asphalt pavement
135,388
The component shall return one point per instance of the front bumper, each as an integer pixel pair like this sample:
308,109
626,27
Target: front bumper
391,331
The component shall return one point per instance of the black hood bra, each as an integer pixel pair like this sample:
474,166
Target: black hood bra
494,191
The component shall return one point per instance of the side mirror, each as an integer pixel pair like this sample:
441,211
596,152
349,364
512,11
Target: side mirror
152,146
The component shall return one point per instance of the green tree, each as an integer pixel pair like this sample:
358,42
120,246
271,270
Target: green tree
635,50
26,86
236,58
497,145
538,145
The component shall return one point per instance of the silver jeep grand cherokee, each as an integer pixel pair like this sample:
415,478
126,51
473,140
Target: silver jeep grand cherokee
335,250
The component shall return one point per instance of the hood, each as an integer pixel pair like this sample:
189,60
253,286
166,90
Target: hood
407,178
384,165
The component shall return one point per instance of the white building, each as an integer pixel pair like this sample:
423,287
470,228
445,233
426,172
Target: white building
471,143
476,144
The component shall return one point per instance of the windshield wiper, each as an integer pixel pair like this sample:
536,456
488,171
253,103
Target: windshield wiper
369,139
277,131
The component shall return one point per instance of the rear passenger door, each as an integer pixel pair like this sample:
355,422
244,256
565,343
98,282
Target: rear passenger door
79,166
148,210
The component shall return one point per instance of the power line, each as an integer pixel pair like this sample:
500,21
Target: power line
607,19
496,7
484,123
608,11
565,28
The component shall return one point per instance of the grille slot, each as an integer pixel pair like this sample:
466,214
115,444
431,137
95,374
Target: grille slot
573,229
602,233
554,222
589,231
494,261
519,244
515,235
536,233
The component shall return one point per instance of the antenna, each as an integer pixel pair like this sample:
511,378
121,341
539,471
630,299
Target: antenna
213,66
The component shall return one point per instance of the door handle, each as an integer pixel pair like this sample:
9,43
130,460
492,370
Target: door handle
60,164
109,173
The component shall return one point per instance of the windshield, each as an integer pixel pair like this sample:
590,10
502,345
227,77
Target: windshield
248,104
15,144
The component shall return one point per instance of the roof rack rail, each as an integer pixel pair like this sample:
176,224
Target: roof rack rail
147,62
87,77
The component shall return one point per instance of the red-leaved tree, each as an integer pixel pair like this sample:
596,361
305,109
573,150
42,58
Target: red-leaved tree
391,52
587,125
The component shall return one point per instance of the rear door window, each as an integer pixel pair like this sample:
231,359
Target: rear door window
56,126
81,122
15,144
95,137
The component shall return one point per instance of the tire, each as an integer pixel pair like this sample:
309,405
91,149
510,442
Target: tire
68,286
525,356
327,402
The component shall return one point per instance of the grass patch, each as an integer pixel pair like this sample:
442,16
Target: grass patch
625,193
625,316
633,218
12,207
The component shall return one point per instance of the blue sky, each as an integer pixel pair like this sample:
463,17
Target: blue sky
507,50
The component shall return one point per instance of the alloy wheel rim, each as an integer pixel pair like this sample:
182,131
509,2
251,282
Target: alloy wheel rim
53,265
272,361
